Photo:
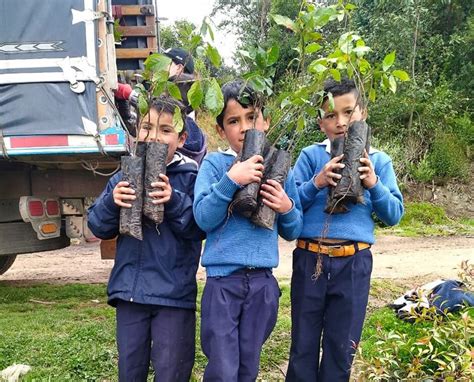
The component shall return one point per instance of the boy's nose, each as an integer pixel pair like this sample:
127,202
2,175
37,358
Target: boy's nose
341,121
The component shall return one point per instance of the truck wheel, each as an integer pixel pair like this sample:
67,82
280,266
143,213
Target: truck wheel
6,262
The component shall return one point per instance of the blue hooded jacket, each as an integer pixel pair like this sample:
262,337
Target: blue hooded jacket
161,269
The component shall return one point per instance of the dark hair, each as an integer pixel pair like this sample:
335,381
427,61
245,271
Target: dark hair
339,88
167,104
243,93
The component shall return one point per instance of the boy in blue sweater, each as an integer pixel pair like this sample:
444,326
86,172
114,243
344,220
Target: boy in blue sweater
332,304
153,282
240,300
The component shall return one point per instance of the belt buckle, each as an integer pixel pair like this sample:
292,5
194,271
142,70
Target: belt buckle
332,249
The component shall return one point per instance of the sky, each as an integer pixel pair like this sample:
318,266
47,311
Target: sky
195,11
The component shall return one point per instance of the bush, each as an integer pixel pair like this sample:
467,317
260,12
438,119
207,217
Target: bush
447,158
440,350
423,213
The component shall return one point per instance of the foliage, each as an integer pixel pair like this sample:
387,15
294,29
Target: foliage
426,219
435,347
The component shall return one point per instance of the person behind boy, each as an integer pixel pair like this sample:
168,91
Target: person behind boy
153,284
240,300
333,305
181,72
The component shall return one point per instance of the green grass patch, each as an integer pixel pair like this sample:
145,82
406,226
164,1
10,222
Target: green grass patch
426,219
67,333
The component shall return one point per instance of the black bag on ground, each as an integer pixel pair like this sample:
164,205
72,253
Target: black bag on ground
349,189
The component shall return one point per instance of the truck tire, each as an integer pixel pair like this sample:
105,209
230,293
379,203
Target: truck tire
6,262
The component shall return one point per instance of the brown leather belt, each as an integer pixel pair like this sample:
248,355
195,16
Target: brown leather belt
332,250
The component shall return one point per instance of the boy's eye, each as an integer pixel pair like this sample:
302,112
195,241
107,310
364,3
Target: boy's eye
329,116
146,126
231,121
349,112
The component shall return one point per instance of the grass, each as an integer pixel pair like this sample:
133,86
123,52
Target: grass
426,219
67,333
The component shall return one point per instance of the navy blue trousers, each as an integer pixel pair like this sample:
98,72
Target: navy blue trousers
238,313
332,308
164,334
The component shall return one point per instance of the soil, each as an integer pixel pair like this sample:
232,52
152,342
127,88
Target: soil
420,259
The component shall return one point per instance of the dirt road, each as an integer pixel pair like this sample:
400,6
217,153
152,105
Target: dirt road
394,258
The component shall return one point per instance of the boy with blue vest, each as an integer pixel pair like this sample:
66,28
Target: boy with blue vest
153,282
240,300
332,262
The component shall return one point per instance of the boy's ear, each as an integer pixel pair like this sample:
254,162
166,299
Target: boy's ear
182,139
220,131
364,113
266,121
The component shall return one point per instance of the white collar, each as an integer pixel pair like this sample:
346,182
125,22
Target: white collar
229,151
327,143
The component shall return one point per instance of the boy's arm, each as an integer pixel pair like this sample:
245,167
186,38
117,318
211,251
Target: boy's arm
179,213
305,172
212,194
290,224
104,214
387,200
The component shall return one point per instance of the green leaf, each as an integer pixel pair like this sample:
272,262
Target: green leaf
313,47
178,120
401,75
246,54
388,61
300,124
214,99
393,84
158,88
372,94
272,55
261,58
173,90
213,56
157,63
285,21
258,83
335,74
195,95
142,105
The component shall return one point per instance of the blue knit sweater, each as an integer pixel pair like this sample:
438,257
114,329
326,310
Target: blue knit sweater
384,199
233,241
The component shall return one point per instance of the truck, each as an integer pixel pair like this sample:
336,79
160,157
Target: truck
61,135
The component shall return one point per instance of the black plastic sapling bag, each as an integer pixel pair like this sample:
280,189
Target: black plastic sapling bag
245,200
349,188
277,165
156,156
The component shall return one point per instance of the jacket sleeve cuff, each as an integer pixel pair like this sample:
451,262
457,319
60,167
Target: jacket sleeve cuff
227,187
377,191
110,204
292,214
310,189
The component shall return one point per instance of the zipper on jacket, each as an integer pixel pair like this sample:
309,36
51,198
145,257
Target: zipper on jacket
139,265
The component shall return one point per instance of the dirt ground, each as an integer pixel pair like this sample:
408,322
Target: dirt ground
394,258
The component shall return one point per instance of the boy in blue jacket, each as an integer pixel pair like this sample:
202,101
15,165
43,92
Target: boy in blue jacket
332,304
153,282
240,300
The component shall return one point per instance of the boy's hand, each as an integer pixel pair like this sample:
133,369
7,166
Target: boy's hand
327,176
163,193
122,192
275,197
248,171
367,173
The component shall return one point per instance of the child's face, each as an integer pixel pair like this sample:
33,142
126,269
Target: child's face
160,128
335,122
237,120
